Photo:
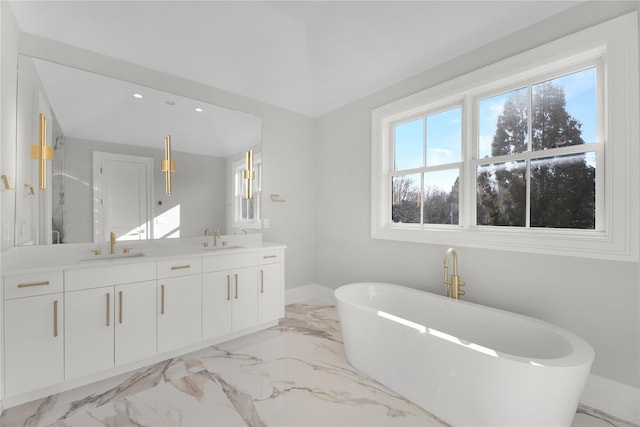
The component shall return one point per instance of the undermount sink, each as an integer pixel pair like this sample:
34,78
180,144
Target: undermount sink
221,247
107,256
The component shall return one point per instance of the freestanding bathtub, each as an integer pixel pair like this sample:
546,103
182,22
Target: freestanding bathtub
467,364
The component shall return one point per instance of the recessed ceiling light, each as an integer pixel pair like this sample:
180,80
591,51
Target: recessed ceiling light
137,95
199,110
170,103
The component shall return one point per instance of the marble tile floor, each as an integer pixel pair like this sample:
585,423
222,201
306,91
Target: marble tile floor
294,374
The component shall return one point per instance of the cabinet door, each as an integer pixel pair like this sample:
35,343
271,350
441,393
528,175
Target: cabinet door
135,321
270,306
216,304
244,311
89,344
179,312
33,343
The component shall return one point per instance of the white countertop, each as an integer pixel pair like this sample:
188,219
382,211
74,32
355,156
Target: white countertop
32,259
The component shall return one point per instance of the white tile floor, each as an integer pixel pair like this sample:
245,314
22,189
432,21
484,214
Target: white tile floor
294,374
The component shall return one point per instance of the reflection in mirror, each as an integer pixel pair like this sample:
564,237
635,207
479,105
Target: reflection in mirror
108,140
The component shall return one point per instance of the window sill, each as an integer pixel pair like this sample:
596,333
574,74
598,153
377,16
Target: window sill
582,244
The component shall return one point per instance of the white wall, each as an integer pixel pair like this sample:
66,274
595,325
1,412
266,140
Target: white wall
598,300
8,89
8,86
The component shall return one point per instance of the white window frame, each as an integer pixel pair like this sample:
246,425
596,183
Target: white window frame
237,172
616,236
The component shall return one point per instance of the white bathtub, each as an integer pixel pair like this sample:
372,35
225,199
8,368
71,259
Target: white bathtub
468,364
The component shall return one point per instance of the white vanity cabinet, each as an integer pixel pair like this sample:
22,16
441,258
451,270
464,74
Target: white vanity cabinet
179,305
270,285
135,321
229,293
33,332
89,343
66,326
96,335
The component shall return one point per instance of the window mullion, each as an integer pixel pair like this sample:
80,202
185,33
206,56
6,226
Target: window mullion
527,222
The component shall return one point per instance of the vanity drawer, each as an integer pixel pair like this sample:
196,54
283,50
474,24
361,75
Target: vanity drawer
26,285
220,262
96,277
270,256
179,267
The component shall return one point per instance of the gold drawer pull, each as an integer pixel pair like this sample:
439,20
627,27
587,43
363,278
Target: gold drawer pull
29,285
162,298
120,312
262,281
55,318
228,287
108,308
270,256
236,286
180,267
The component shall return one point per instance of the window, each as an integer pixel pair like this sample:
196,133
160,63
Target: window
537,154
427,158
534,153
247,211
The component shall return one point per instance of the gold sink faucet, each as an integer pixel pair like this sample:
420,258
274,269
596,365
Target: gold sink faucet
112,241
452,286
207,233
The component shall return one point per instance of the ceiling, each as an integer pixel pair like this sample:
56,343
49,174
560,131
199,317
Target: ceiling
306,56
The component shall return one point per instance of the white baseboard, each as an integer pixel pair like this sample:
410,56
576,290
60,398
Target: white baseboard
613,398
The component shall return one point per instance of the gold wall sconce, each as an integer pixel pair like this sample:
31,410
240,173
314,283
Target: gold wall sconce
249,174
42,153
168,165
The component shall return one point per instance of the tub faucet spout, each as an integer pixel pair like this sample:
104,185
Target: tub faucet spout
452,285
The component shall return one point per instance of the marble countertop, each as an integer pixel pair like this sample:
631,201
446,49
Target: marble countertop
32,259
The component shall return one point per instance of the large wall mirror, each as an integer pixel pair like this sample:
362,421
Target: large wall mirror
108,142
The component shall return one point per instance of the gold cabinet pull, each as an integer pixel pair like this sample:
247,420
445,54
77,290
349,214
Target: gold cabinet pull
29,285
262,281
55,318
162,299
228,287
236,286
120,304
270,256
108,308
180,267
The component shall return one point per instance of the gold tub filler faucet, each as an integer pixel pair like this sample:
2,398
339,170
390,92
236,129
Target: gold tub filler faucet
452,285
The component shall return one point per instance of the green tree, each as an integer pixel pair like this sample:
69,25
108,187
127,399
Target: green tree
562,187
